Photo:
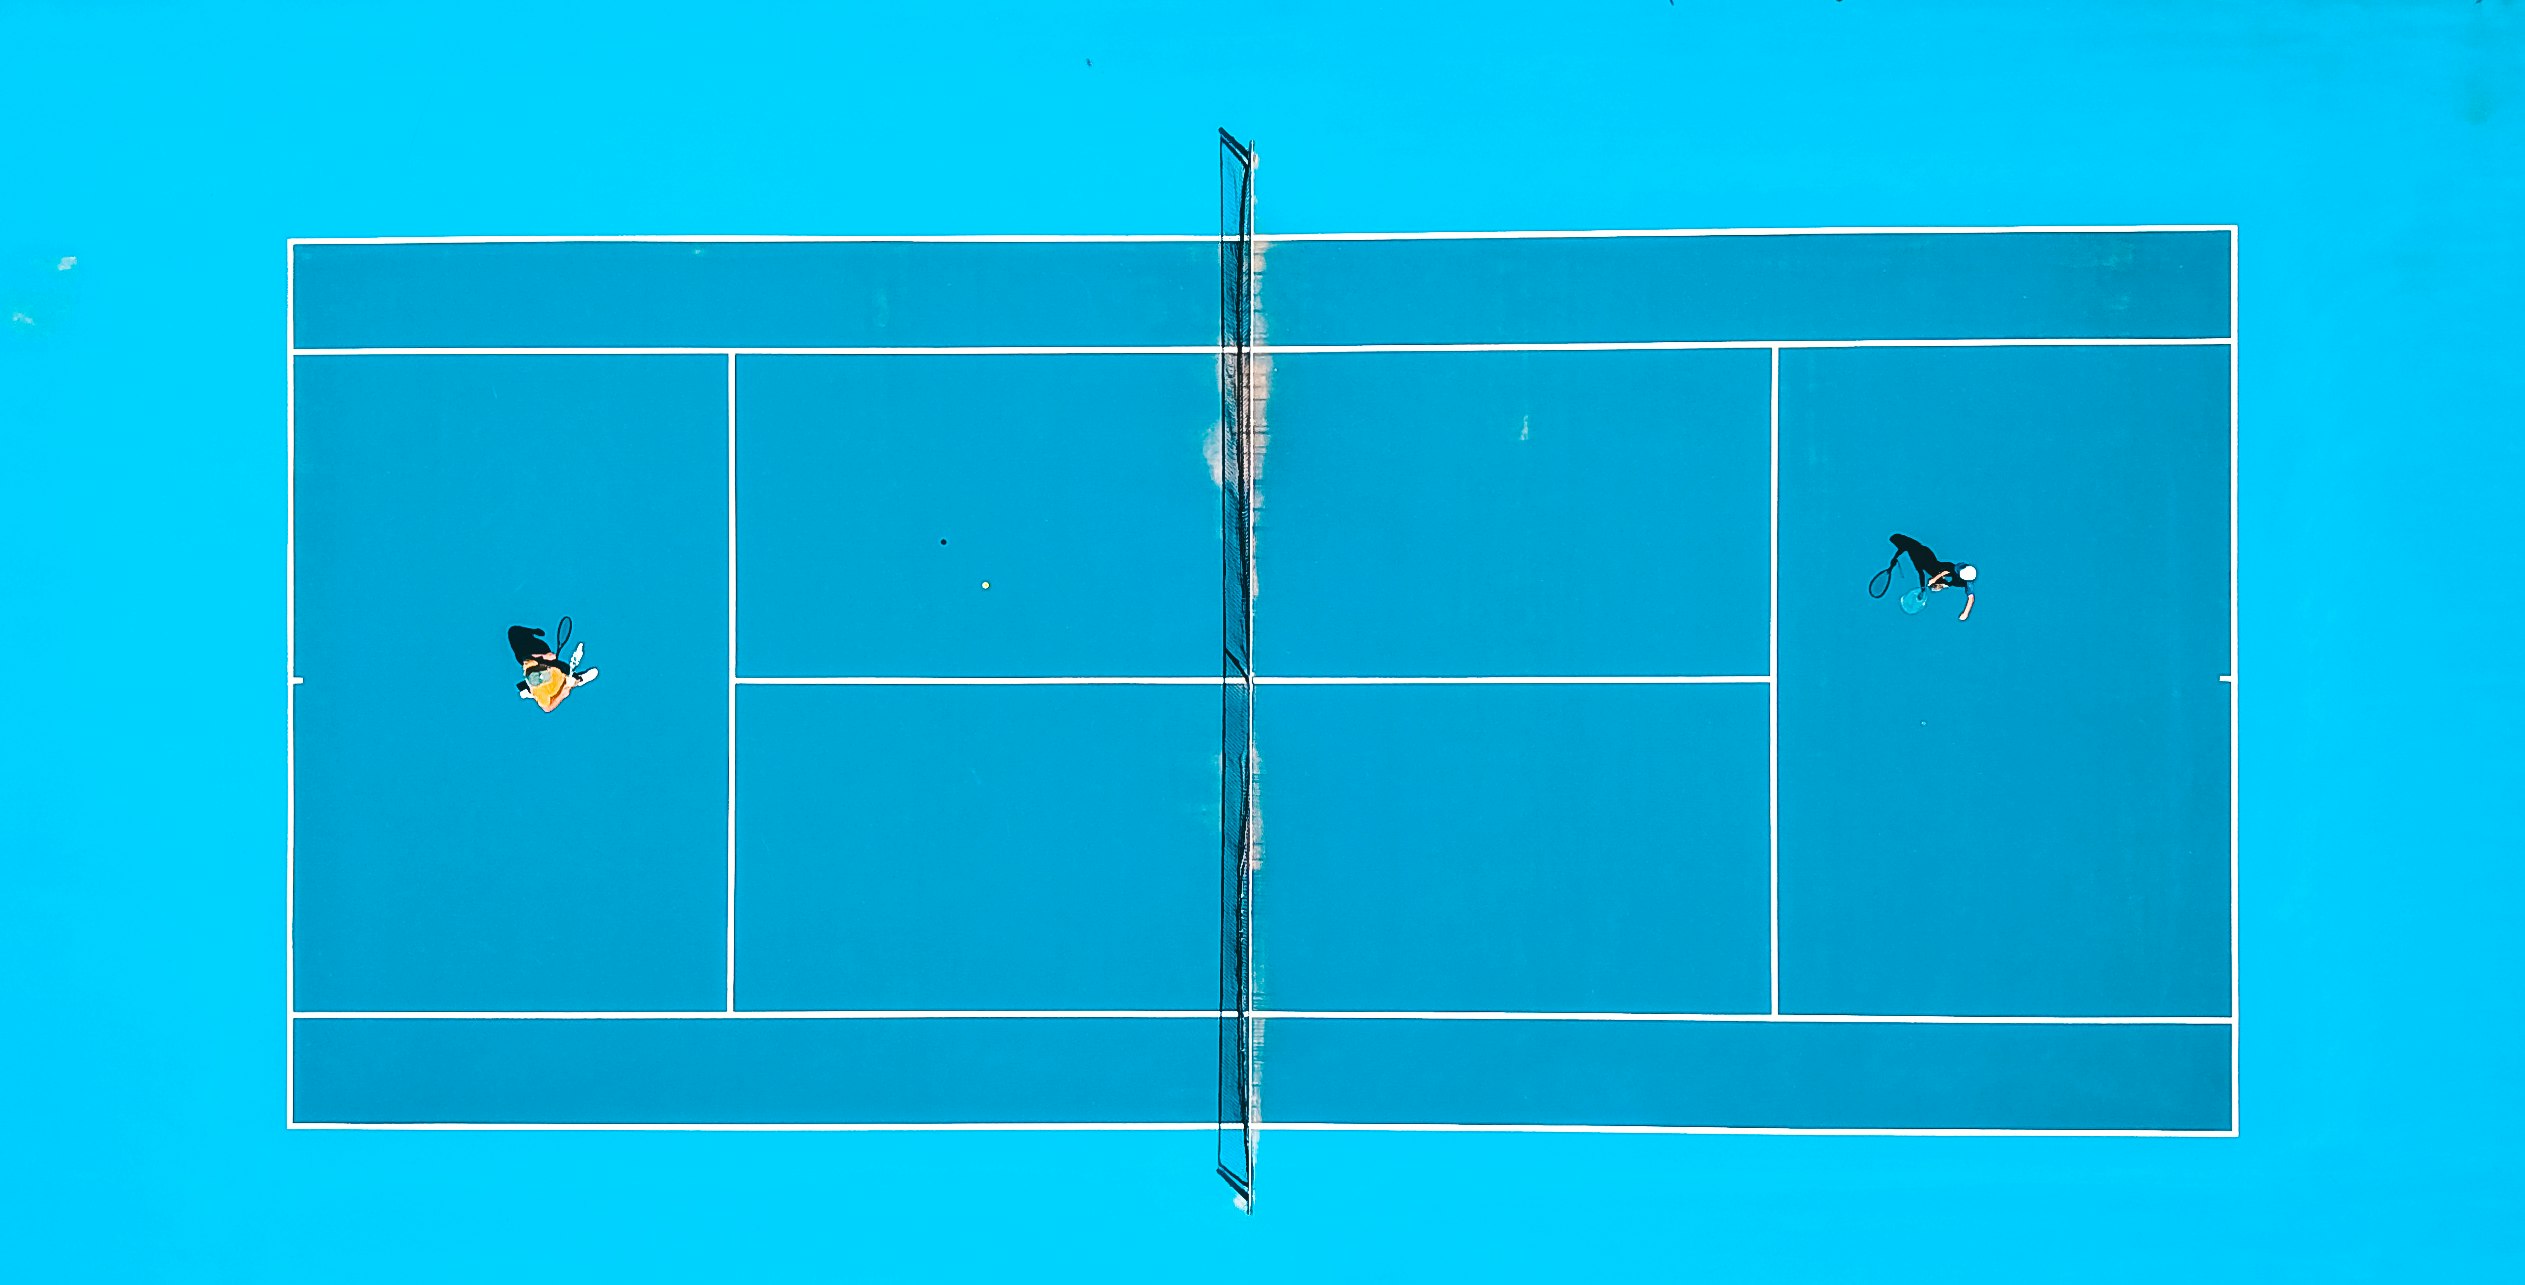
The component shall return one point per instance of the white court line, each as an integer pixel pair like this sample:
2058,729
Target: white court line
1775,680
1758,1131
2235,942
289,556
978,238
1617,233
785,1015
1688,345
1055,238
731,930
1268,1126
1293,680
947,350
1028,1127
1265,350
888,680
1785,1019
1205,350
1262,680
1209,1015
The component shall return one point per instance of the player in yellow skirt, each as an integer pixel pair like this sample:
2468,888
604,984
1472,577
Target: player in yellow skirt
549,679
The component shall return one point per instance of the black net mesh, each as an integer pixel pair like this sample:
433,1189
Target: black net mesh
1237,1079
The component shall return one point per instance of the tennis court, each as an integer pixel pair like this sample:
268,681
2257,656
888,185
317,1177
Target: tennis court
1587,787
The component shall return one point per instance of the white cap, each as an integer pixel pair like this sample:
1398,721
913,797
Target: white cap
1965,572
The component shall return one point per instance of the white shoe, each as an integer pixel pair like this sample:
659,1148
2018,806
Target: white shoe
588,677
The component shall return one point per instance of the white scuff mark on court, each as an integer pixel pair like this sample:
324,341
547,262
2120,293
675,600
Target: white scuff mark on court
1253,863
1525,426
68,261
1253,810
1258,397
21,318
1258,404
1254,1074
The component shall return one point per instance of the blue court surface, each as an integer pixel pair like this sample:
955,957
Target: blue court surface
1545,860
1589,768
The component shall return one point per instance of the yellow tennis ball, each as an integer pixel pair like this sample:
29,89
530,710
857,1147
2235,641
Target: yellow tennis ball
986,584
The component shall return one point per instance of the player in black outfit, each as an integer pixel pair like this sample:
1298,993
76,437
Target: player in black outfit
1935,576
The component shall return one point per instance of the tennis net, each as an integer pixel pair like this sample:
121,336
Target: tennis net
1238,1112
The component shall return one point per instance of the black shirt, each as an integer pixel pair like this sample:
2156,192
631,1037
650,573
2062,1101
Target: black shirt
1925,562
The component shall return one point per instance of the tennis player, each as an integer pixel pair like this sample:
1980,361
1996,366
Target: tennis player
1936,576
549,680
